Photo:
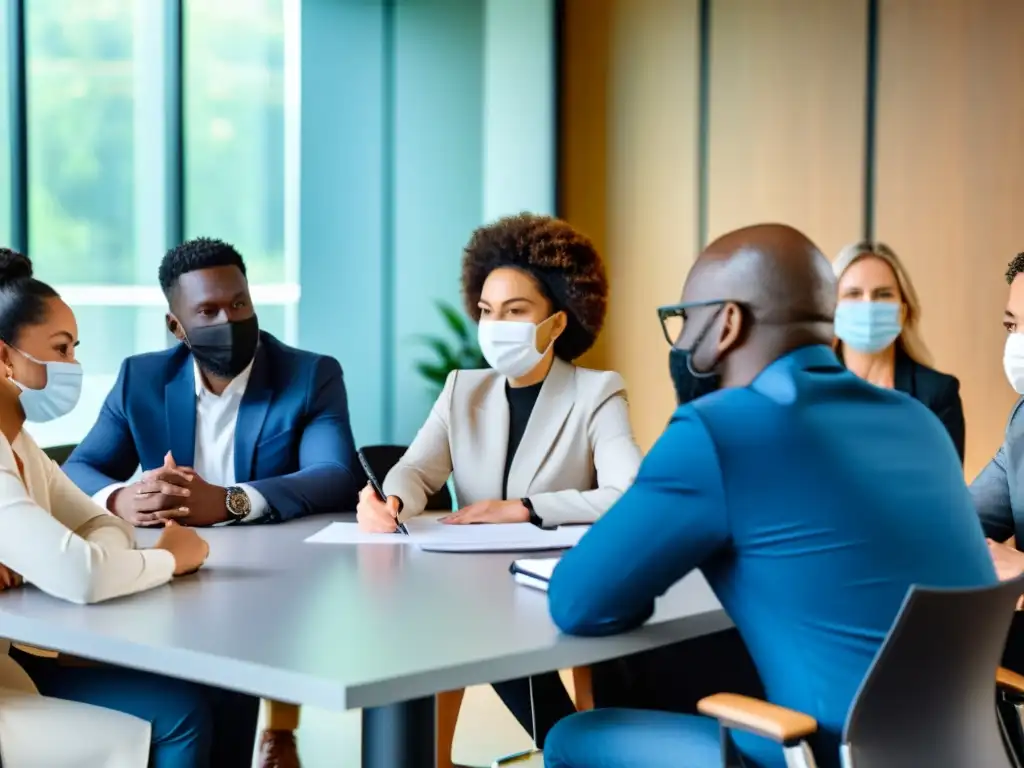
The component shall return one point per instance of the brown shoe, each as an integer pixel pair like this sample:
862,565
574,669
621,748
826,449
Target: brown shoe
278,750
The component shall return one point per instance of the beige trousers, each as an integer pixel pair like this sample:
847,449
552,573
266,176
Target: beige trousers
40,732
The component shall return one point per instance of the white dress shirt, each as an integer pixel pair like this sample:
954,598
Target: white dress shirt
57,538
214,459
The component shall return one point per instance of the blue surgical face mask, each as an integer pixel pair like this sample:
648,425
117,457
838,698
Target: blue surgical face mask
868,326
58,397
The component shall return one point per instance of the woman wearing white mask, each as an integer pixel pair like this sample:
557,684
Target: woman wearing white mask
877,334
55,537
534,438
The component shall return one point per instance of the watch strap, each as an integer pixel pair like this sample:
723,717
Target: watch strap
534,517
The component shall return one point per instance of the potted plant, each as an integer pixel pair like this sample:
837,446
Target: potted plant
455,350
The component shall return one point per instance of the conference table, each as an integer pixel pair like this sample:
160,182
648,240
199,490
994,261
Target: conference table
378,627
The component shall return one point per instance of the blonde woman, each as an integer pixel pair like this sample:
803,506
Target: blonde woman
877,334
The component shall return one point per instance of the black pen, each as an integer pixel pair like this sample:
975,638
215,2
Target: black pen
375,484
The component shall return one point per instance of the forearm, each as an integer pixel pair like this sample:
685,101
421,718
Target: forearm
412,485
574,507
313,490
64,564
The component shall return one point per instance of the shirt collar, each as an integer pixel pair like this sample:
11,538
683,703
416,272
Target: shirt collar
236,386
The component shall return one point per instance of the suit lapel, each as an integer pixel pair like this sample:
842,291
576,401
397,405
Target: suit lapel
492,437
180,413
554,403
251,414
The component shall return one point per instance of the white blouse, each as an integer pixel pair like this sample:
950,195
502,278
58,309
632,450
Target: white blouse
60,540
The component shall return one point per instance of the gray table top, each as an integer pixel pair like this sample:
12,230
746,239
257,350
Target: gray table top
339,627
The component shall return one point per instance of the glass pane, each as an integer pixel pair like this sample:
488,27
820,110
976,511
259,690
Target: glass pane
5,132
81,84
234,129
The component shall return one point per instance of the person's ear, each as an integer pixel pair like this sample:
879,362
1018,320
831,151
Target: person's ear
6,367
556,325
174,327
559,324
733,327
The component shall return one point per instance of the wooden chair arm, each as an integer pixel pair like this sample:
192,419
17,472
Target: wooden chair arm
1005,678
584,687
779,724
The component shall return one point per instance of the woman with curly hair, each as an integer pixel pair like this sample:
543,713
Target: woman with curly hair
532,439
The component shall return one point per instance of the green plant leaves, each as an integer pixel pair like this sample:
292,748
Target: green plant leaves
462,353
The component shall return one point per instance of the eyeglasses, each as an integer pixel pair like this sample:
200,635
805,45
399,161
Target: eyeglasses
673,317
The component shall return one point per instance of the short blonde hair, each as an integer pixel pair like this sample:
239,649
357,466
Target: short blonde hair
910,337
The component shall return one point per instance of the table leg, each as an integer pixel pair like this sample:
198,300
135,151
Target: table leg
400,735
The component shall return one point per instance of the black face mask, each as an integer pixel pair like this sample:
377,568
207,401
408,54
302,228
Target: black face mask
226,349
688,383
691,384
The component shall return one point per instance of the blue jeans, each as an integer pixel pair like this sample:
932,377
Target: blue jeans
624,738
641,738
193,726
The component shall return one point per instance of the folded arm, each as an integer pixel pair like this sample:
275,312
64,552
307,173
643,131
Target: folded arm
616,461
79,553
669,522
427,463
327,480
107,457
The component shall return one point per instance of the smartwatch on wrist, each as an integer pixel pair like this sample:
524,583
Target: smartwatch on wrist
534,517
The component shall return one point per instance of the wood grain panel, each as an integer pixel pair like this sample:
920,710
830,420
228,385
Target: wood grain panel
950,191
787,86
630,174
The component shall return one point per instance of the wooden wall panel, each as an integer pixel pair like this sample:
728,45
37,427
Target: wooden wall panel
787,105
950,183
629,173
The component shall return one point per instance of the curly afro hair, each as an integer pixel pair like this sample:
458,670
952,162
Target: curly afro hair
564,263
1015,267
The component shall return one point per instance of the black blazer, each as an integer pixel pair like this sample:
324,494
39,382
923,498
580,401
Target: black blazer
939,391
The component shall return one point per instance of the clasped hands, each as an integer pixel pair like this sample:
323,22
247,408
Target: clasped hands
167,493
1009,563
378,516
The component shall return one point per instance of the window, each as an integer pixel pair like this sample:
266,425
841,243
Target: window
5,129
99,176
81,63
234,143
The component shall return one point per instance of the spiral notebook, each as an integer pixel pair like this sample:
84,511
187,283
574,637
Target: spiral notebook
534,573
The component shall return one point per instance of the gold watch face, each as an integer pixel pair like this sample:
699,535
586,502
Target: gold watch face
238,503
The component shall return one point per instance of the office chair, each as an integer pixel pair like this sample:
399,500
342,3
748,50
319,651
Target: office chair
928,698
382,458
60,453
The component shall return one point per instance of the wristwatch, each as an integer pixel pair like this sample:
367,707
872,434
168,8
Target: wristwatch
237,503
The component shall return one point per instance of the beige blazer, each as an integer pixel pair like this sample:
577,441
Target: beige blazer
576,457
59,539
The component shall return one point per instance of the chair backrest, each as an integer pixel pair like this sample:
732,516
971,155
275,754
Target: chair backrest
60,453
382,458
929,698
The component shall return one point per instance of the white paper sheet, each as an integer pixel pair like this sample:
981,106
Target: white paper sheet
431,535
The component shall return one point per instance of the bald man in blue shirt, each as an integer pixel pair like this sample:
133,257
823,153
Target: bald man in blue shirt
811,500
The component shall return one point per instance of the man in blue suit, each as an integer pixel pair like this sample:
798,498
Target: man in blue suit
810,499
230,425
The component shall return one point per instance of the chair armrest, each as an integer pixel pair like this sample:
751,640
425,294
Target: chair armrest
779,724
582,683
1010,680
